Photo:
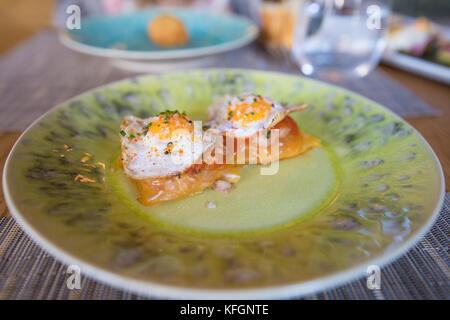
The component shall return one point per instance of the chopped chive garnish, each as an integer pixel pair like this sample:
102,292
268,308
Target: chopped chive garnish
268,134
132,136
123,133
252,113
168,113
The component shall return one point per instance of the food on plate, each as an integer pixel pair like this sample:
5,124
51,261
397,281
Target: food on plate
164,160
419,38
443,52
167,31
413,38
247,115
169,156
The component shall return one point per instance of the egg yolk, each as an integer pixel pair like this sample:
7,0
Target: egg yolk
168,124
246,113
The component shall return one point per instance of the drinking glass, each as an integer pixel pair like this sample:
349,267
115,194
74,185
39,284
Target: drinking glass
340,39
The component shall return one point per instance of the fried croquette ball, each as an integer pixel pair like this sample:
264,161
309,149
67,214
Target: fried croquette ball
167,31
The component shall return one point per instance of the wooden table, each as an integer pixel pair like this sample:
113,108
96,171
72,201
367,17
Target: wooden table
436,130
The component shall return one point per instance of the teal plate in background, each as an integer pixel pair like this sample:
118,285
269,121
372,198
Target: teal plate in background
363,198
125,36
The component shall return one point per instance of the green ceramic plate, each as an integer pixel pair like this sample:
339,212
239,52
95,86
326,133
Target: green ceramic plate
363,198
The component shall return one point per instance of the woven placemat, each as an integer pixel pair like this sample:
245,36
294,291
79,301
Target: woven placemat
28,272
42,73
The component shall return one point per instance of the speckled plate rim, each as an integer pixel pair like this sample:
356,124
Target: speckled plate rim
250,35
151,289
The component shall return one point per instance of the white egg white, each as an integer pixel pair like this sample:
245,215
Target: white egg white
145,155
220,123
